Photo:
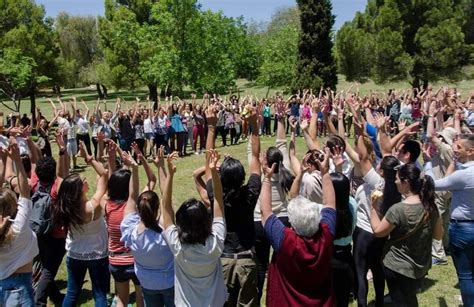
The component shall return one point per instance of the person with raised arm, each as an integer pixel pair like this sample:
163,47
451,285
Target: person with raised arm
196,240
86,242
18,244
300,271
142,232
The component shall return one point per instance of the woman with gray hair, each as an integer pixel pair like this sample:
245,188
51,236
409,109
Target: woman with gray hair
300,271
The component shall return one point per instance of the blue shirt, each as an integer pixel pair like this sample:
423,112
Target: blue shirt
154,263
461,184
274,228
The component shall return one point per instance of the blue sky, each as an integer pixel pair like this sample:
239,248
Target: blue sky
258,10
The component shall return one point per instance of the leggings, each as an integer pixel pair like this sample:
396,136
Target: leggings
198,131
368,252
343,269
262,251
402,289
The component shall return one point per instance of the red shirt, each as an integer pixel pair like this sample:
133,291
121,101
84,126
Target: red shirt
58,231
118,253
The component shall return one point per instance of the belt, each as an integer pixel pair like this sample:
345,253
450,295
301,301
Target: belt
115,254
242,255
461,221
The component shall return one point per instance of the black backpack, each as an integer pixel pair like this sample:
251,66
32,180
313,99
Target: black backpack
41,221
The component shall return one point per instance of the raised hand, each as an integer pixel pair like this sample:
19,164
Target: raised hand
13,151
267,171
214,157
304,124
211,116
127,159
170,161
380,120
324,165
315,105
292,122
304,165
111,149
337,156
137,150
160,156
402,123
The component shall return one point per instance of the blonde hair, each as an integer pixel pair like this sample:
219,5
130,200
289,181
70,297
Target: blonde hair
8,207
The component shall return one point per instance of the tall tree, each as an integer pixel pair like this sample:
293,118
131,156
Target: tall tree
316,64
27,50
420,41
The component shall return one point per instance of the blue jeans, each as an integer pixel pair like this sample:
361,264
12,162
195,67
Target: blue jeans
17,290
158,298
100,278
461,243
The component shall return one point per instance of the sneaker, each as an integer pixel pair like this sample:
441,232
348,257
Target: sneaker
437,261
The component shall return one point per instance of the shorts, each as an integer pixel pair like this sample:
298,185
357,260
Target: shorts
149,135
123,273
71,147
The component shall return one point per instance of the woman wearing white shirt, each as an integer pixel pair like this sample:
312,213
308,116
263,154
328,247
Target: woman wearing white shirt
18,244
86,242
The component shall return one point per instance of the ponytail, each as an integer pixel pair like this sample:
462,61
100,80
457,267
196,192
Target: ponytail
285,178
427,195
148,207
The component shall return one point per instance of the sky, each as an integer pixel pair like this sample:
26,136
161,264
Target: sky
258,10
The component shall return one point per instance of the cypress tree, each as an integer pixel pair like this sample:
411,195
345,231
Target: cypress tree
316,65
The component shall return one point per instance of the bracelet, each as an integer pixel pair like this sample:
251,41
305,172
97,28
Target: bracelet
266,180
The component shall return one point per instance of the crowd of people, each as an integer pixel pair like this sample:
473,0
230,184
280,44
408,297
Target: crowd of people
389,205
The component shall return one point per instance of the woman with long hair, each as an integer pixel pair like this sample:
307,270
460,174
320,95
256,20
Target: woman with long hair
86,242
411,224
196,240
18,244
368,249
121,261
142,232
343,262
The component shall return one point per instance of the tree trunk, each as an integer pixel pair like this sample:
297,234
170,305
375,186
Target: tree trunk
99,92
153,95
32,106
104,91
268,92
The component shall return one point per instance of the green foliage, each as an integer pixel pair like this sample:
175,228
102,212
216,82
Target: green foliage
316,65
279,57
27,47
422,41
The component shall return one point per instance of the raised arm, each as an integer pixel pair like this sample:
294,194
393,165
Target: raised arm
294,162
201,185
131,206
266,193
211,132
160,165
3,164
150,186
14,154
329,195
295,187
62,168
166,207
254,163
216,184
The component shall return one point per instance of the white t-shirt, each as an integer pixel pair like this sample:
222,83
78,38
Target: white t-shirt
82,125
199,280
346,166
24,246
148,125
372,181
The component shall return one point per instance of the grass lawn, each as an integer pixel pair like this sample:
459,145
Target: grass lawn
440,286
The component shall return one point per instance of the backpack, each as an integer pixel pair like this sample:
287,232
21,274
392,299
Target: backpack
41,221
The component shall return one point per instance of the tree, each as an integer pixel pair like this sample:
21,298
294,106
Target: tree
316,65
279,58
422,41
27,50
79,44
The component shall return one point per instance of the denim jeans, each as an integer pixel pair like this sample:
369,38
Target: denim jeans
461,243
17,290
158,298
100,278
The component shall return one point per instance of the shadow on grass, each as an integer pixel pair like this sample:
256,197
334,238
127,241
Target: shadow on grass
427,283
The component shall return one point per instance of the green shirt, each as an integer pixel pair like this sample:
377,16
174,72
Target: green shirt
408,250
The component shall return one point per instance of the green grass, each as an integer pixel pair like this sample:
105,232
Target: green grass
440,286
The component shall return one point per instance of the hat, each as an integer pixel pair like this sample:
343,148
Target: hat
448,134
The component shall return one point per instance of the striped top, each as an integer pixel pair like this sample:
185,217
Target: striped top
118,253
